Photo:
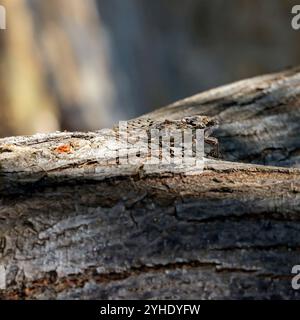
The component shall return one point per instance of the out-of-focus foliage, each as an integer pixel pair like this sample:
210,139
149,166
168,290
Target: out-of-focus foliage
83,64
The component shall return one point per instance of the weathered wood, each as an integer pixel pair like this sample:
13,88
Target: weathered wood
74,227
259,118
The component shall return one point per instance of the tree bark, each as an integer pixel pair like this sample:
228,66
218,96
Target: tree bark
76,227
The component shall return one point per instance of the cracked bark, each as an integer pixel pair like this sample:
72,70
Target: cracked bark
75,227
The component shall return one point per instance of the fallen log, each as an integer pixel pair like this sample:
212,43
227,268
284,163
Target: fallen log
74,227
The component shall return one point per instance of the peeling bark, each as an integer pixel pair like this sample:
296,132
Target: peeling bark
75,227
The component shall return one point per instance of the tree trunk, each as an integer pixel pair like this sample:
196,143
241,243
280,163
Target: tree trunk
57,64
73,226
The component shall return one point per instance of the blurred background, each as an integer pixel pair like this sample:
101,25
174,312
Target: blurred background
85,64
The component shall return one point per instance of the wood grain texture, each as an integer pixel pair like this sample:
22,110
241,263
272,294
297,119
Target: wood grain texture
74,227
259,118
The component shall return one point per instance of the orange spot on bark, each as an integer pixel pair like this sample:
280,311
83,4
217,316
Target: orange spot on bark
66,148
